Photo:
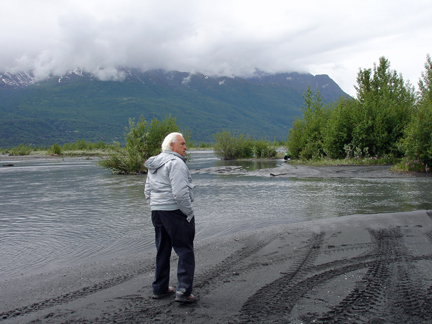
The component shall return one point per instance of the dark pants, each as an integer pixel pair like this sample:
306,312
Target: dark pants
173,231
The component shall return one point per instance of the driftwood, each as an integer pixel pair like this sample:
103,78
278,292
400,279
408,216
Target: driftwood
277,174
7,165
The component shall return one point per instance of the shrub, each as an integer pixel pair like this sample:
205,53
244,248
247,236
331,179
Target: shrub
142,141
203,145
21,150
305,138
264,149
413,165
123,160
55,149
99,145
229,147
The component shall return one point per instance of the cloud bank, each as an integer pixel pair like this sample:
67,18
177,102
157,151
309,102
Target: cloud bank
231,38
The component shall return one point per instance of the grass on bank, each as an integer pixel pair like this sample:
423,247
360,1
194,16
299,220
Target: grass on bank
324,161
397,164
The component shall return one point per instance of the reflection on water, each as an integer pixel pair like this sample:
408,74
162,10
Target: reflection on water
55,214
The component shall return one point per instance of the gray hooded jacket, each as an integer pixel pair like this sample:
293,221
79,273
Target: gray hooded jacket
169,183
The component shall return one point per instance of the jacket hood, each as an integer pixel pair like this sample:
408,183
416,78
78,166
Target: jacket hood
155,162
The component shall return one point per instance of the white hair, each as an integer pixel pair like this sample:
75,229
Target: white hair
170,138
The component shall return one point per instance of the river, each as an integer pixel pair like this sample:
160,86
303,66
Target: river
57,213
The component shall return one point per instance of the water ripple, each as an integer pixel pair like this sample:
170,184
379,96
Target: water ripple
58,214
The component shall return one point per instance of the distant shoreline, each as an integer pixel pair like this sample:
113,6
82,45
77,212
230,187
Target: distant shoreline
284,171
5,158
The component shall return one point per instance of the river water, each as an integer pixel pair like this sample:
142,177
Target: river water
57,213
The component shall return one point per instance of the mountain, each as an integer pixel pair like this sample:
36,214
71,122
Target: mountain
79,106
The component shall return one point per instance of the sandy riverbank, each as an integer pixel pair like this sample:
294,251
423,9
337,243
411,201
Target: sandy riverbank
361,268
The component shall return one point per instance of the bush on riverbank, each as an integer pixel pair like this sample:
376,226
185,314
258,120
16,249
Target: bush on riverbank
55,149
407,165
20,150
264,149
386,120
230,147
143,140
200,146
83,145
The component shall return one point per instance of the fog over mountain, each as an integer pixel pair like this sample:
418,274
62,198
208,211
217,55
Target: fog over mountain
223,38
81,68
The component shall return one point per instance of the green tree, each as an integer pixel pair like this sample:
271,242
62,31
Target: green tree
306,137
339,129
425,84
143,140
374,123
384,110
417,141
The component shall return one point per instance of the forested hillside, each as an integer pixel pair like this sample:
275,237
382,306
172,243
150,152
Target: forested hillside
78,106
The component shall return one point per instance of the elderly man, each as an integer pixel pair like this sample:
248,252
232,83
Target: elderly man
168,190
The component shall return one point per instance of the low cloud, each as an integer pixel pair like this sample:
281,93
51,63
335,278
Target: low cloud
224,38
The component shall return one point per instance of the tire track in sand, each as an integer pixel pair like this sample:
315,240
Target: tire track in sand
389,289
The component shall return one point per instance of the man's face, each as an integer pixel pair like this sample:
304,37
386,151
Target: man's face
179,146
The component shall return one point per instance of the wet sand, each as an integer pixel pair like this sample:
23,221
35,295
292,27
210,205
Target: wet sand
288,170
351,269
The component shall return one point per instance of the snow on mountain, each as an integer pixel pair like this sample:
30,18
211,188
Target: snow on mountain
18,79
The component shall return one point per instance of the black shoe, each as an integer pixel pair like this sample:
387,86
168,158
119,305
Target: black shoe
168,293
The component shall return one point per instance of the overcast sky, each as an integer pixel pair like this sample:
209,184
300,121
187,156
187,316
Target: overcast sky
216,37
